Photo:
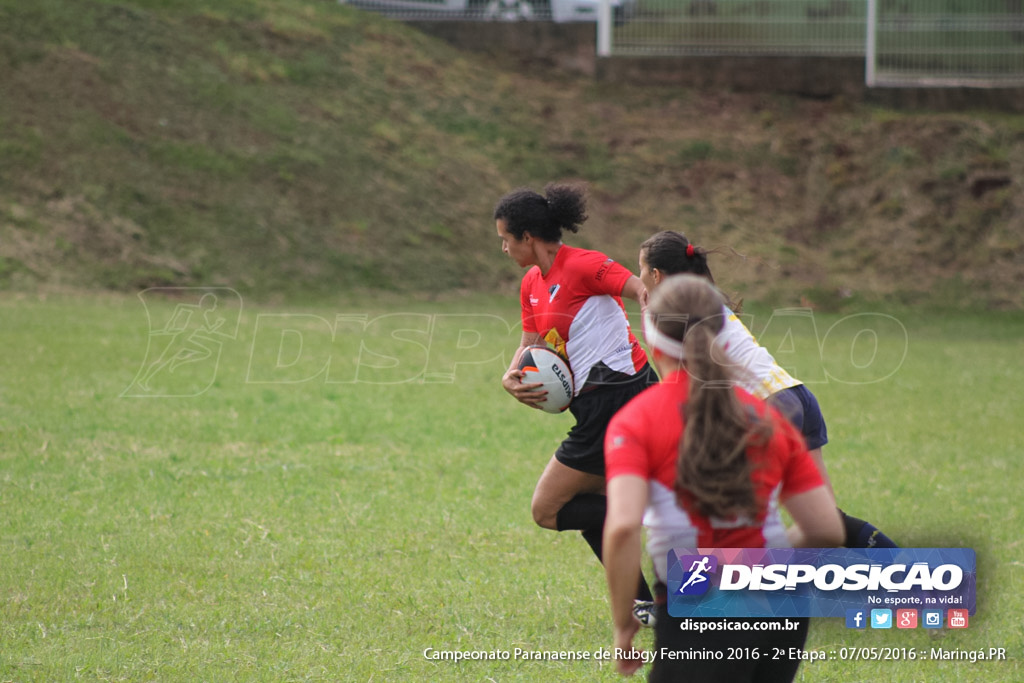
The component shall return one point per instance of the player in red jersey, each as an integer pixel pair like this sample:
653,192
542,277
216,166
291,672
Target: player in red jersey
572,301
702,462
669,253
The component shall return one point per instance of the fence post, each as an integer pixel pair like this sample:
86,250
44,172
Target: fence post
604,28
871,43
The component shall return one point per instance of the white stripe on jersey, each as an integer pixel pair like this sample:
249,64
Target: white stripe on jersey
668,526
599,332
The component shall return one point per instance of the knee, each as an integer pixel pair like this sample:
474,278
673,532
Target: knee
544,515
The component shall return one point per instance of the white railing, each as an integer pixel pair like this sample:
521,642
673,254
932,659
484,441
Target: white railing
973,43
743,27
943,50
977,43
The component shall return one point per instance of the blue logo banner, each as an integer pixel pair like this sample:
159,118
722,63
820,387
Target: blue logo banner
818,582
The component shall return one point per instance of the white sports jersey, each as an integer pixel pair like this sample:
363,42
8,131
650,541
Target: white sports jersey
763,376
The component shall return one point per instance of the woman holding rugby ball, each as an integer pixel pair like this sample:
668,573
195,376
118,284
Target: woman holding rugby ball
708,464
667,253
571,300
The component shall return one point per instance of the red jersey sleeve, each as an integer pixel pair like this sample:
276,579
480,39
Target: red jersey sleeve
601,274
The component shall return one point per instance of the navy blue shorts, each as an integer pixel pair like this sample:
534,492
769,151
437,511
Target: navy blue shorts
583,447
799,406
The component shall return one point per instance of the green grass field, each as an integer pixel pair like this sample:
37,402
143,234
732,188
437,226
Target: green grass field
284,525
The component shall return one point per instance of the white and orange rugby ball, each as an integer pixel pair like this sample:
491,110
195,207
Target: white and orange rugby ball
541,364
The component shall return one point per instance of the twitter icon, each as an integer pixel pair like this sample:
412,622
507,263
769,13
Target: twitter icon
881,618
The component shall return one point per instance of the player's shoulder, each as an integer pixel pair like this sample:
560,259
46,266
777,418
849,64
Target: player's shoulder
531,276
733,327
578,256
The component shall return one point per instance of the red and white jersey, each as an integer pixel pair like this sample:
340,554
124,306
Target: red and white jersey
577,309
643,440
760,374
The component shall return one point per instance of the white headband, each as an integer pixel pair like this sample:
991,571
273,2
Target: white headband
658,340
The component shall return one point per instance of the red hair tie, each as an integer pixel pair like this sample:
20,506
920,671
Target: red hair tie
690,250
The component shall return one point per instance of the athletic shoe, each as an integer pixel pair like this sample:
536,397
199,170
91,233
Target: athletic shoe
643,610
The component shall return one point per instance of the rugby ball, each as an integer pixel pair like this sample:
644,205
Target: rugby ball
541,364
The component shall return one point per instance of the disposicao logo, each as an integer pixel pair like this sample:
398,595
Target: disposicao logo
820,582
696,581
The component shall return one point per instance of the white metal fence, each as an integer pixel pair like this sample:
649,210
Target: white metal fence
743,27
560,11
903,42
937,48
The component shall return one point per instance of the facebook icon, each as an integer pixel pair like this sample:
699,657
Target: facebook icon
855,618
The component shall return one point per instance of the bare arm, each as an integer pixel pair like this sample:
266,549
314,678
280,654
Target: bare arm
816,521
627,499
634,289
512,380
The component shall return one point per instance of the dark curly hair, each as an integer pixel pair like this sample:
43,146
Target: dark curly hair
561,207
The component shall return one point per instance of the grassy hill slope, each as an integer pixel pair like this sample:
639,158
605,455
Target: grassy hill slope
291,148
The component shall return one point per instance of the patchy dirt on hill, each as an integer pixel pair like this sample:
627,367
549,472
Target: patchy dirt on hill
294,150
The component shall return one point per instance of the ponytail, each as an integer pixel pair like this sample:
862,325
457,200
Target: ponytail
562,207
672,253
713,472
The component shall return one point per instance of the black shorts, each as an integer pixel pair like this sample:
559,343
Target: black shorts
583,448
799,406
734,647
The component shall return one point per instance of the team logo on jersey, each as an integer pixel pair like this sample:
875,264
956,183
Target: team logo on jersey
696,580
556,342
553,292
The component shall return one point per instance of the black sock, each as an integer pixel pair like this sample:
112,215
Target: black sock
584,511
595,539
581,513
861,534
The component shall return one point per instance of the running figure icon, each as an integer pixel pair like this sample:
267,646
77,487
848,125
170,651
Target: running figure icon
697,573
190,338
